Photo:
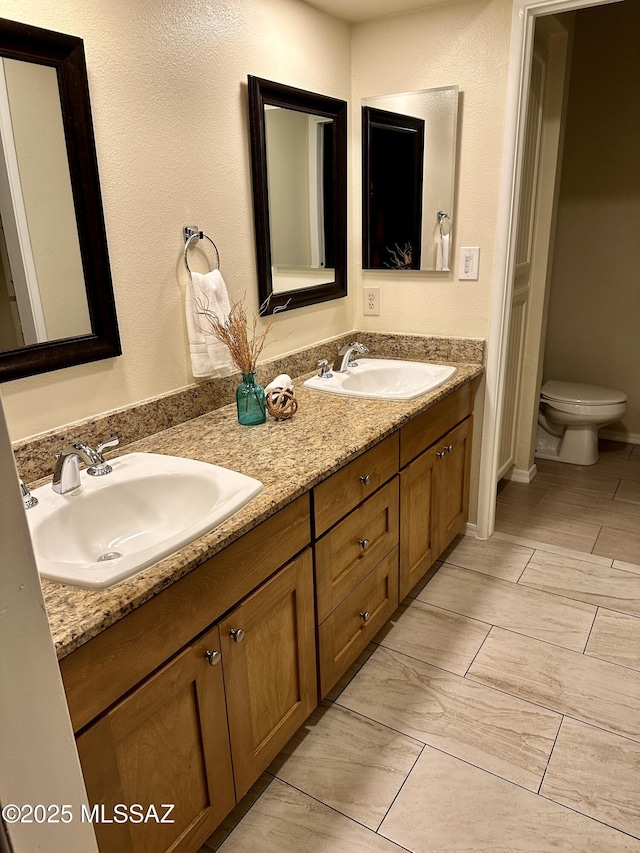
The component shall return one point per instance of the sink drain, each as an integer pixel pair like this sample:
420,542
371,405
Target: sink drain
110,555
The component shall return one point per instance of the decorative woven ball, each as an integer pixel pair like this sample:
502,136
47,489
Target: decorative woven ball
281,404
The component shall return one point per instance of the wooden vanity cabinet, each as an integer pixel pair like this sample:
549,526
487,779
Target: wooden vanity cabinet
434,484
167,742
269,660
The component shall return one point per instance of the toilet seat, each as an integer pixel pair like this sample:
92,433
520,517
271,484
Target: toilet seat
579,394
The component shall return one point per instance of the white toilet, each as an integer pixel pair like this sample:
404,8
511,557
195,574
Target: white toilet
569,418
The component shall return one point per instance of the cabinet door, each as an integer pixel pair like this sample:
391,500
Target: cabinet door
166,743
268,652
453,468
418,521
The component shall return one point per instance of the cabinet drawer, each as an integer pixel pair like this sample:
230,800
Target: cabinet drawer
347,553
428,427
349,486
345,633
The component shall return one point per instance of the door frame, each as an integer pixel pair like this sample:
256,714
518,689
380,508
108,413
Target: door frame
524,16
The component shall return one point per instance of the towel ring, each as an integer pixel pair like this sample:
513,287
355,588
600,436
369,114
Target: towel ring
193,235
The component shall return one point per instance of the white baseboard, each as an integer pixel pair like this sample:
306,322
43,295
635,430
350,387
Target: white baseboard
471,530
520,475
626,437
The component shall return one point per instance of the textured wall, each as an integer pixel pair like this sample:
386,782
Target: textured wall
454,43
168,91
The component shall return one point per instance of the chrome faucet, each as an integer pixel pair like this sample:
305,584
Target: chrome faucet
27,498
345,356
66,475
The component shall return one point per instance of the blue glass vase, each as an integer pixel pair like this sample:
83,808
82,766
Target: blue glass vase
250,401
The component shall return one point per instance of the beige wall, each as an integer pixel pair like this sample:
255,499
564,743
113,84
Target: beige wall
168,90
453,43
168,93
594,312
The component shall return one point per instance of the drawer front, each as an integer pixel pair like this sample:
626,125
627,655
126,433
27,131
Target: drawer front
346,632
425,429
347,553
349,486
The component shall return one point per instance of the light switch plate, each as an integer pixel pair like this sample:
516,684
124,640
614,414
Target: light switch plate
469,263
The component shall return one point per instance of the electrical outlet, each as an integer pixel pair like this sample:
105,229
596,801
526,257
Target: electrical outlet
469,263
372,301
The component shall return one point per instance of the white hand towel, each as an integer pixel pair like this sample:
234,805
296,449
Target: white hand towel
442,258
281,381
209,356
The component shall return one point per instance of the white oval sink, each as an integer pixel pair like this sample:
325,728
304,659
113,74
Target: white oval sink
384,379
115,526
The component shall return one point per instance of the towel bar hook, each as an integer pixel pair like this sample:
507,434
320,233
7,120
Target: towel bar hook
442,216
193,235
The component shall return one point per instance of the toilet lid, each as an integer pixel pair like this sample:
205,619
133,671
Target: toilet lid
576,392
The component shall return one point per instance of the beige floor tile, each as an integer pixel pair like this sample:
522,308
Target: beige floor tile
489,729
509,605
284,820
596,773
235,815
355,667
489,556
521,494
575,476
619,544
628,491
615,637
348,762
553,549
624,469
626,567
546,527
583,687
446,806
602,586
571,503
434,636
423,581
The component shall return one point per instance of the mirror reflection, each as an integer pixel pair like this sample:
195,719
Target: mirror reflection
299,150
298,168
409,152
42,292
56,298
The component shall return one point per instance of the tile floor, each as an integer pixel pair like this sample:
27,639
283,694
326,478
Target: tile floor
499,710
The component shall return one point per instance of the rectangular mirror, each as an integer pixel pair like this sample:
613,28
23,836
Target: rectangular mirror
56,297
408,179
298,160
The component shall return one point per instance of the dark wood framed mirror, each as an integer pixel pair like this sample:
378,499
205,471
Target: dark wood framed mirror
57,307
299,176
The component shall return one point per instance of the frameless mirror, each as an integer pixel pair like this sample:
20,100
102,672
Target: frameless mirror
56,298
408,177
298,160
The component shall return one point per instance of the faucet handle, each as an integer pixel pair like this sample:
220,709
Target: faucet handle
325,370
28,499
102,467
114,441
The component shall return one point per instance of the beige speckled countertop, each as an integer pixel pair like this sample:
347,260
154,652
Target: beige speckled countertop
289,457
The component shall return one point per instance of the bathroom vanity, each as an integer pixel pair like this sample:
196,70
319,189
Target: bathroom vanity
199,670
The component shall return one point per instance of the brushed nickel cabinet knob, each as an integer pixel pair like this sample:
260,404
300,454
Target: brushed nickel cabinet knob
366,480
364,544
213,657
237,635
365,615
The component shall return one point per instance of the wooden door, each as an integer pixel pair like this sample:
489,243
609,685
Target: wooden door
166,743
269,668
418,531
452,472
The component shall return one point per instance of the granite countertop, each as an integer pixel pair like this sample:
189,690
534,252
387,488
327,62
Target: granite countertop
289,457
